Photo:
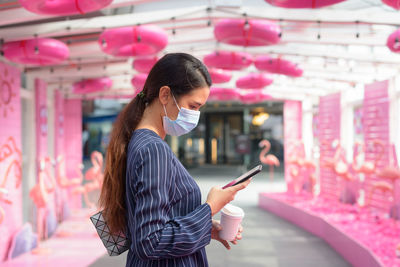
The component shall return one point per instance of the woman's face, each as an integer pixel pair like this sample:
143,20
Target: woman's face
194,100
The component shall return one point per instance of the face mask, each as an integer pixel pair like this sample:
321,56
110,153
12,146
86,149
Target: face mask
185,122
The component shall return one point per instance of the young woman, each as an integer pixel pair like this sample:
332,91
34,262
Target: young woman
146,192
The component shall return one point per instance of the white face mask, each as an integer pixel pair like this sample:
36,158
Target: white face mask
185,122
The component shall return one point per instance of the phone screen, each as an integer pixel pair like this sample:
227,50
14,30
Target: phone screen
244,176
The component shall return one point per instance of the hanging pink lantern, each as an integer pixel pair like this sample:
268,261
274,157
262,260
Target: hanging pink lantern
36,52
247,32
92,85
228,60
303,3
219,76
393,3
277,65
252,97
223,94
138,81
253,81
144,64
393,41
140,40
63,7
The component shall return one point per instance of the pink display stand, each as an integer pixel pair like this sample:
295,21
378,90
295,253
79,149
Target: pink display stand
10,156
73,142
328,131
292,117
355,252
376,127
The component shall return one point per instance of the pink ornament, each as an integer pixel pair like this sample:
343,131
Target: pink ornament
247,32
253,81
140,40
138,81
278,65
92,85
228,60
393,3
393,41
253,97
144,64
36,52
223,94
303,3
63,7
219,76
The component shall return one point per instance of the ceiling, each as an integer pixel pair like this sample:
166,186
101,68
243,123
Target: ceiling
351,49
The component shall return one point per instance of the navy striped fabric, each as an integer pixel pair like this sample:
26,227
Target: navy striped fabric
167,224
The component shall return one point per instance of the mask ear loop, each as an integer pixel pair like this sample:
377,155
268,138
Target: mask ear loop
176,103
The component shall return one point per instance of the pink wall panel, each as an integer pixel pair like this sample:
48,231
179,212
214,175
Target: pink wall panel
59,124
376,126
328,130
292,113
10,155
73,141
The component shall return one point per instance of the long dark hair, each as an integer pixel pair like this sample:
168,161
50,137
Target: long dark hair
182,73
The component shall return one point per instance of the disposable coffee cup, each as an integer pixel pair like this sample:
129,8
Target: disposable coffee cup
231,217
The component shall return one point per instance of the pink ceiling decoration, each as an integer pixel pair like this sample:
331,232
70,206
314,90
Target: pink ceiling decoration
140,40
138,81
92,85
303,3
278,65
245,32
223,94
144,64
252,97
253,81
393,41
393,3
63,7
36,52
228,60
219,76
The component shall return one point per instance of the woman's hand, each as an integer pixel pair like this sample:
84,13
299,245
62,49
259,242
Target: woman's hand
217,197
216,228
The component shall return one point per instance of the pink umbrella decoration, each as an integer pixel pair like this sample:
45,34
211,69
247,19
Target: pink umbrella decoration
253,81
393,3
144,64
63,7
223,94
228,60
92,85
393,41
278,65
303,3
138,81
219,76
253,97
247,32
36,52
140,40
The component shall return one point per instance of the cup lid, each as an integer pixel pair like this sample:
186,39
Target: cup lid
232,210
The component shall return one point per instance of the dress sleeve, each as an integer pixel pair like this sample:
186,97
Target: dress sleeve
155,235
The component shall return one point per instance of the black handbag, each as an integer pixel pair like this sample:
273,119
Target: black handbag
114,243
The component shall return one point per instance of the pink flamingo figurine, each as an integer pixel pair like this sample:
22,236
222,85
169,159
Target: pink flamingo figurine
40,196
270,160
94,175
366,167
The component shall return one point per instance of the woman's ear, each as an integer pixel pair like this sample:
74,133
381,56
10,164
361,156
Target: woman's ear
164,94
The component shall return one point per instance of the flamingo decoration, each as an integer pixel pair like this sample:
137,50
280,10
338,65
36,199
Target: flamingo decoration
270,160
3,192
94,175
40,196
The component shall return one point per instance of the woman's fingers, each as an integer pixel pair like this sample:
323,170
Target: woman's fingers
240,228
225,243
240,186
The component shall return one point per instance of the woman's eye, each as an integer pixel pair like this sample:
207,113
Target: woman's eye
192,107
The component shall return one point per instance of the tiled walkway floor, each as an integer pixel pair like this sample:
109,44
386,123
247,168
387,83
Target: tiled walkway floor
268,241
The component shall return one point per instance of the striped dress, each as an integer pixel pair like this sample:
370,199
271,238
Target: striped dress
166,221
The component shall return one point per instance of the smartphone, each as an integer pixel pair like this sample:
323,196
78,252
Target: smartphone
244,177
